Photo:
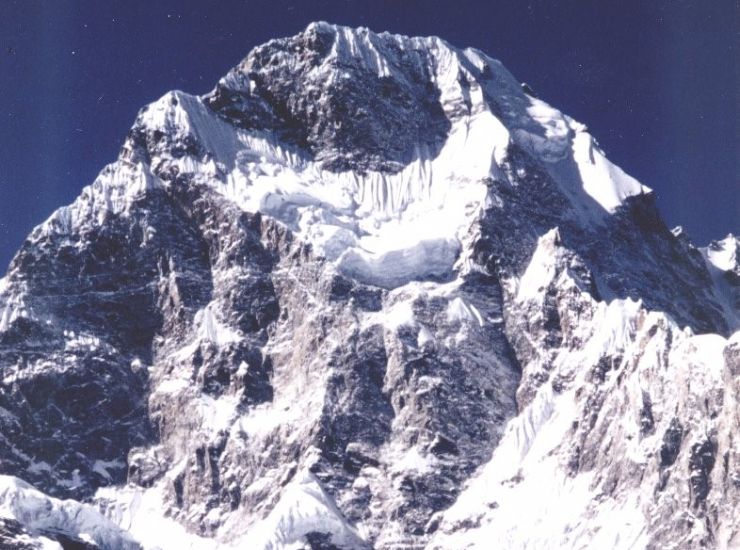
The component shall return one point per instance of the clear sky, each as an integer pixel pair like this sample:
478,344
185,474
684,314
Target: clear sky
655,81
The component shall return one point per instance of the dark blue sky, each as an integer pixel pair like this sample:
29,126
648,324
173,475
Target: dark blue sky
655,81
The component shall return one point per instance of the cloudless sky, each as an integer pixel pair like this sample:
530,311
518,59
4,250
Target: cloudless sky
655,81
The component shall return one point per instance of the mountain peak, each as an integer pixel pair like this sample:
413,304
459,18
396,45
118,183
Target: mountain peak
369,292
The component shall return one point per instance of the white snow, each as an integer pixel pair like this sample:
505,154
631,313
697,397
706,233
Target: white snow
460,311
705,353
571,155
413,460
605,182
387,230
541,269
216,414
520,482
173,385
13,308
526,476
304,507
207,327
424,336
383,229
360,44
81,341
37,511
263,419
524,480
399,312
425,259
615,325
141,512
721,257
211,329
723,254
112,192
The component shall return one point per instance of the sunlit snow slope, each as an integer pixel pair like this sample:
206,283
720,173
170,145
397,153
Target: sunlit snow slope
389,227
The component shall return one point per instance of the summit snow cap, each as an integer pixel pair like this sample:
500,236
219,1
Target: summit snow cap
378,149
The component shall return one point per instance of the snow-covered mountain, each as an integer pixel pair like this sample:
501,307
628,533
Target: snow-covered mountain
369,292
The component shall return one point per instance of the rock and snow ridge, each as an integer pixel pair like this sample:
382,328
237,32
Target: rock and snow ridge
387,226
367,292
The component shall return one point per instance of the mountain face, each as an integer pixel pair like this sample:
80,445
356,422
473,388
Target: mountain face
367,293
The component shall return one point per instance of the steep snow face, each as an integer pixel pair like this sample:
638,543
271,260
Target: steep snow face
380,228
403,216
304,512
622,445
45,518
304,509
604,182
112,192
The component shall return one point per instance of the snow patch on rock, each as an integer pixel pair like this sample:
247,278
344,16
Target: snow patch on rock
304,508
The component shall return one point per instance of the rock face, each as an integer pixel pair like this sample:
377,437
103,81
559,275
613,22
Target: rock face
367,293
